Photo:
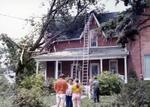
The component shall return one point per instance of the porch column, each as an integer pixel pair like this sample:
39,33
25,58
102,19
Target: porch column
101,65
37,67
125,69
45,71
56,70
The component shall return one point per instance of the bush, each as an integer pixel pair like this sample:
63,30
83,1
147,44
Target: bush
33,81
135,94
27,98
109,83
49,88
29,92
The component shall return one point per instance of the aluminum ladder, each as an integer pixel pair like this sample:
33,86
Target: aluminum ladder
85,63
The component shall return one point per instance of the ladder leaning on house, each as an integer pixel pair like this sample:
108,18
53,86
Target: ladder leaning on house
75,69
85,63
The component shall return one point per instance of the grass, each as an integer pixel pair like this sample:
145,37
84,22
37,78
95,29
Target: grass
49,100
105,101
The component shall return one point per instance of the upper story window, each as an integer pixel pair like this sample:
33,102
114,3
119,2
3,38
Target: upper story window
93,38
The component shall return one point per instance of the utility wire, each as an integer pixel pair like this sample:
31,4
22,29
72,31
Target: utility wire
18,18
14,17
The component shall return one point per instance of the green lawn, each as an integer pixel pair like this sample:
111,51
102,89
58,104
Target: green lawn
105,101
49,100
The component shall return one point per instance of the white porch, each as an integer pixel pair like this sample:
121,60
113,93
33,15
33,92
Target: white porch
112,54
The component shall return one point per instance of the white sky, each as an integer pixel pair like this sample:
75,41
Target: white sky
25,9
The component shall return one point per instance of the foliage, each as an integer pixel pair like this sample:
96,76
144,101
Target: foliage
127,24
29,92
17,57
135,94
49,86
132,75
109,83
6,89
27,98
11,51
34,82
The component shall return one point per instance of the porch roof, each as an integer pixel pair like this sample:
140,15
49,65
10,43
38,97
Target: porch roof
77,54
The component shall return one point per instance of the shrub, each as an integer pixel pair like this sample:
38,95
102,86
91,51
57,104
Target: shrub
132,75
32,81
27,98
29,92
49,88
135,94
109,83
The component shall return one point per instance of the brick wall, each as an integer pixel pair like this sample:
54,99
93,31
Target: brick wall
139,48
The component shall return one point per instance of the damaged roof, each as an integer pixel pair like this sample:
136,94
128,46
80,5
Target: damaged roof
78,29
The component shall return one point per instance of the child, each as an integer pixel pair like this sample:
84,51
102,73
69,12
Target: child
76,94
69,93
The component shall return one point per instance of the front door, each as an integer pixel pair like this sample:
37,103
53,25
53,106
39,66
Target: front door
94,69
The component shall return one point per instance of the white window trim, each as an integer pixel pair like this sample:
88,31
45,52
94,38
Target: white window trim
113,60
91,40
91,68
145,78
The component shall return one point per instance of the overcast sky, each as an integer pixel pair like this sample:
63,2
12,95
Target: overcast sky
17,28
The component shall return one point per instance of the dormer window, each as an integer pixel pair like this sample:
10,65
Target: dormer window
93,38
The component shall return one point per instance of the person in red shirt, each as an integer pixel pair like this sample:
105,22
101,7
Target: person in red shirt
60,87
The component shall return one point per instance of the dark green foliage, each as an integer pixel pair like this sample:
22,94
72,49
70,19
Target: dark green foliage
29,92
109,83
27,98
135,94
132,75
49,86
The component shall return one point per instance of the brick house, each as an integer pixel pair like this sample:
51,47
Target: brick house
91,53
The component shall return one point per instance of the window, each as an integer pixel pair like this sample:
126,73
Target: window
94,38
113,66
94,69
147,67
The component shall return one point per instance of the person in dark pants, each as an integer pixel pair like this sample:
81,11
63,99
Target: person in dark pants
69,93
96,90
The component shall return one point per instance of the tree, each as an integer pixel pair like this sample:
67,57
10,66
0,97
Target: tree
128,24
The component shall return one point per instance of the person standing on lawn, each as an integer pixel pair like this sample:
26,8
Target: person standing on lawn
96,90
69,93
76,94
89,89
60,88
